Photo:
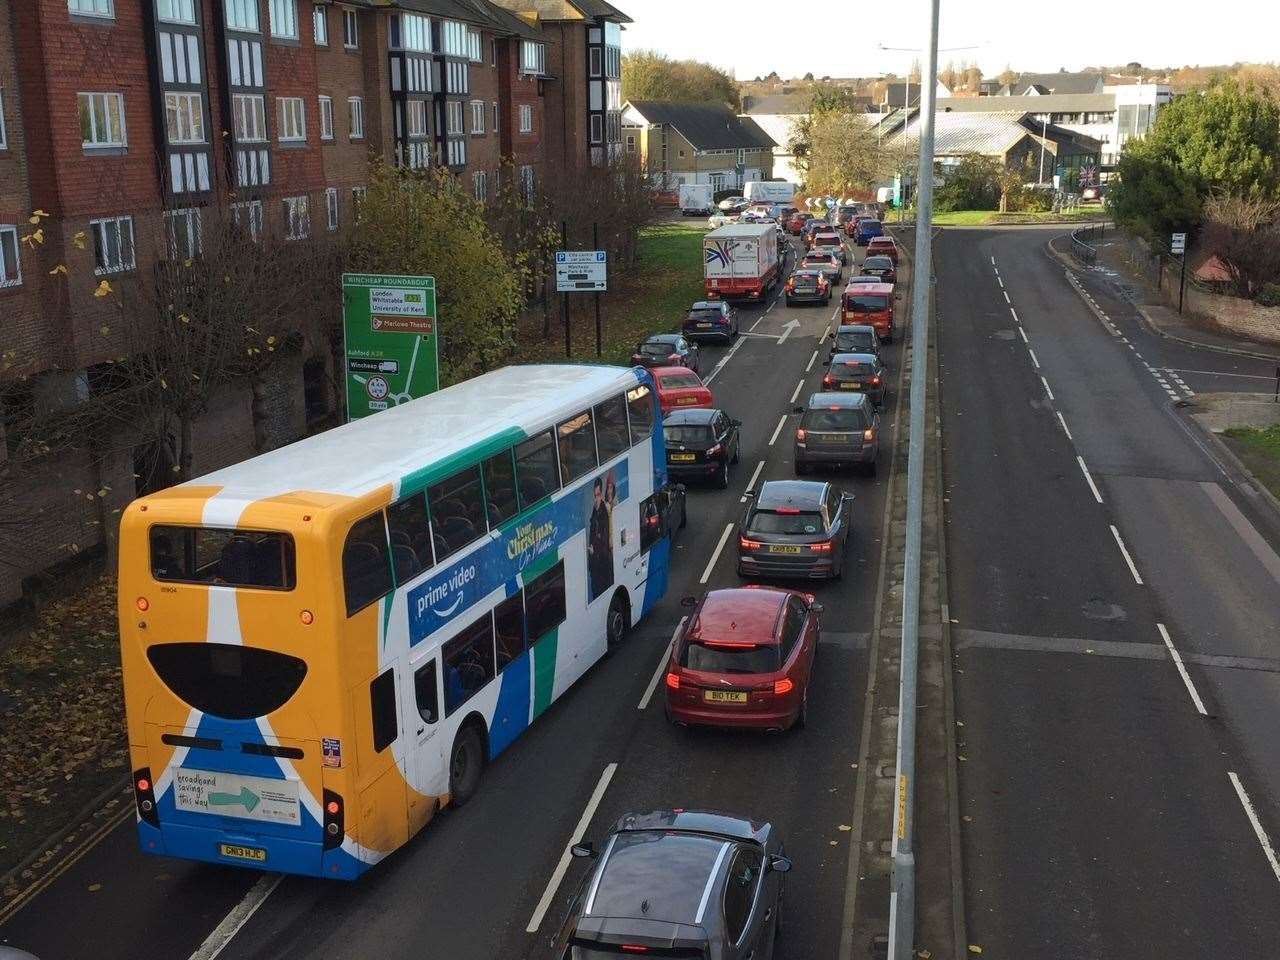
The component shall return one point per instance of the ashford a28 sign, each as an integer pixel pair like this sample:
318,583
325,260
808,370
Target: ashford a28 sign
392,349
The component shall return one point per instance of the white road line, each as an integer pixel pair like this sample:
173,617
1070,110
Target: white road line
1023,334
240,914
1127,559
706,574
993,261
1182,669
999,281
812,360
825,333
1215,373
1034,359
796,392
777,430
770,307
1269,559
756,324
723,360
1006,296
557,875
1046,388
1258,832
1015,316
1062,421
662,663
1088,477
751,484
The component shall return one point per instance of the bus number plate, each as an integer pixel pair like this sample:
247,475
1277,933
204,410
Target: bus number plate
237,852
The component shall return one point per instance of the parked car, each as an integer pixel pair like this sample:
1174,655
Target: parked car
743,658
827,263
829,242
734,204
883,246
711,318
678,883
861,372
855,338
806,285
680,387
880,266
866,230
1091,192
666,350
795,528
701,444
837,428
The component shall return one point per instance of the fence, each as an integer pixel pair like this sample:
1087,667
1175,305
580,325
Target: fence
1083,240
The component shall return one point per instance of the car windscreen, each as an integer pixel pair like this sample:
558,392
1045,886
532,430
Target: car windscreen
817,260
805,279
771,521
858,303
852,370
657,349
711,657
877,263
827,240
687,433
853,342
838,420
680,381
869,225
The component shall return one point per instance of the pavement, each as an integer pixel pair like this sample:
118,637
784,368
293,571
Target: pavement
1114,606
468,886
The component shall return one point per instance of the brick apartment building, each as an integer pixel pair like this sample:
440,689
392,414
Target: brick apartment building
128,121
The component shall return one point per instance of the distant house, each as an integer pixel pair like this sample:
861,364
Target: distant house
1041,84
906,93
696,143
777,116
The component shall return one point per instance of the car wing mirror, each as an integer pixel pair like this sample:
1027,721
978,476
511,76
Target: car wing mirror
779,864
816,607
798,409
583,848
689,601
826,362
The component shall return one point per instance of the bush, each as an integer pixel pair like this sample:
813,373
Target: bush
1269,296
1036,201
973,184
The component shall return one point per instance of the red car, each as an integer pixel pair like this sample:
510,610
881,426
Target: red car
884,247
680,388
743,658
851,225
795,223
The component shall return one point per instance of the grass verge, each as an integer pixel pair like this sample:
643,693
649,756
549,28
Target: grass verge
1259,451
977,218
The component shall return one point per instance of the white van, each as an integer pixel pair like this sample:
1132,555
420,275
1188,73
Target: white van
774,191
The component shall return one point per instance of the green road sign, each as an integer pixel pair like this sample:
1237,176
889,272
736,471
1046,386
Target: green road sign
392,350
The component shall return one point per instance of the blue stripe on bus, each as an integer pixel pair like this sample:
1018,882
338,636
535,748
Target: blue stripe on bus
511,715
655,586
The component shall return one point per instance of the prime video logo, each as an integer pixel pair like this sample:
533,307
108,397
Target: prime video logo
441,592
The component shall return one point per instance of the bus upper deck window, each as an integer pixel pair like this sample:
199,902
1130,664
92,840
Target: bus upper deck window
611,427
223,557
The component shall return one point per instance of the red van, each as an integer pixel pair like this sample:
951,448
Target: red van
870,304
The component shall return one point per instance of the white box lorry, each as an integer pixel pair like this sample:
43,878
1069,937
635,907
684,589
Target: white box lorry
741,261
695,198
774,191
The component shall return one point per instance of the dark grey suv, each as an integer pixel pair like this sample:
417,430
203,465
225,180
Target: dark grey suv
678,883
837,428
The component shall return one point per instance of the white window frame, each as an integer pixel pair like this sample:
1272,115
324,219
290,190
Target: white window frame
331,207
355,117
475,45
242,15
350,30
533,58
411,31
320,24
102,144
10,273
631,143
4,135
526,118
595,58
255,212
597,128
297,217
415,110
176,11
480,185
195,240
118,226
257,114
291,120
189,108
103,9
454,125
326,117
453,39
283,16
477,118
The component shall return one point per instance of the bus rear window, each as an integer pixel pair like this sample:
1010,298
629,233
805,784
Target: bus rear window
223,557
863,304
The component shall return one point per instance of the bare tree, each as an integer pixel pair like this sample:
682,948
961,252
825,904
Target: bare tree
1244,232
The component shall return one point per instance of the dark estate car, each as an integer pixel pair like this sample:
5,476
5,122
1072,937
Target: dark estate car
678,883
701,444
795,528
808,286
880,266
854,338
860,372
711,318
837,428
666,350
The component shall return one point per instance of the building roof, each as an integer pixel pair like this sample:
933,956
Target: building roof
1061,82
483,13
707,126
1049,103
778,104
992,134
598,8
566,9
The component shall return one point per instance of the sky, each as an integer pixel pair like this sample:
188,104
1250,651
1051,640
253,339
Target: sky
752,37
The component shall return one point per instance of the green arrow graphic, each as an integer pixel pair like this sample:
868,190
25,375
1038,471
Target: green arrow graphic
246,798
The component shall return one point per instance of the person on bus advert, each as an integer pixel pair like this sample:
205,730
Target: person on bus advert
599,544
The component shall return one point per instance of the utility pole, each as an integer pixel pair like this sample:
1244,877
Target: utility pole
1044,129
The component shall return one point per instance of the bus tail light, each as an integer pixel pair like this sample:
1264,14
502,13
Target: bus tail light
144,796
334,821
143,604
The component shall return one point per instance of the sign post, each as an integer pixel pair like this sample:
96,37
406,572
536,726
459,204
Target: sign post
1178,245
582,271
391,344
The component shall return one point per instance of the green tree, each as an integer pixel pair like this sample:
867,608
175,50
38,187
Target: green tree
973,184
1152,197
648,75
836,151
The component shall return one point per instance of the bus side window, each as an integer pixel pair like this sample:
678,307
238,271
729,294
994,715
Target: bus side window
382,698
502,501
536,469
508,628
425,692
468,663
611,427
577,447
545,607
366,566
457,511
410,535
640,408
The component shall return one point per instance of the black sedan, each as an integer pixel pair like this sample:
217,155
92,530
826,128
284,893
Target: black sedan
666,350
808,286
795,528
855,338
701,444
880,266
678,883
860,372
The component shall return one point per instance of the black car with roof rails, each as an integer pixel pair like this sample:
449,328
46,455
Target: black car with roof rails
711,318
666,350
807,285
678,883
861,372
854,338
837,429
879,265
701,444
795,528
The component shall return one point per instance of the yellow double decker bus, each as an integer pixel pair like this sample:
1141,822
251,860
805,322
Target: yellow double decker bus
326,643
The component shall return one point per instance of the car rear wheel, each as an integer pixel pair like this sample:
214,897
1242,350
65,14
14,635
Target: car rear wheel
466,764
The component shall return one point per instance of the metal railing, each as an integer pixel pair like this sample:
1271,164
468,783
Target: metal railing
1083,240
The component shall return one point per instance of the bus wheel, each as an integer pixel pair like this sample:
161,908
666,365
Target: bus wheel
618,620
466,763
